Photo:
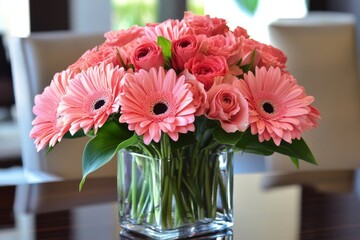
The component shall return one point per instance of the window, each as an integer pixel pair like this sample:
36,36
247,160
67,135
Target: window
125,13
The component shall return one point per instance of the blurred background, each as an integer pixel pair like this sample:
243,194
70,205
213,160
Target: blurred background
22,18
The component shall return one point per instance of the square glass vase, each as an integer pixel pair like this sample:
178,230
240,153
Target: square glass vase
183,196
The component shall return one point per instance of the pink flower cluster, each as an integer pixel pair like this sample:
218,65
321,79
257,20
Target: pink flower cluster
212,71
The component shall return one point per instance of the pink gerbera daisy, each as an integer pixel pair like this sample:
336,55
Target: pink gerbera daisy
91,97
169,29
48,125
277,105
157,101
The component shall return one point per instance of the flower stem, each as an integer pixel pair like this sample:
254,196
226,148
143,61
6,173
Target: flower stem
180,170
223,193
172,187
207,190
143,206
144,190
155,191
133,188
168,205
179,208
150,215
121,186
164,201
215,189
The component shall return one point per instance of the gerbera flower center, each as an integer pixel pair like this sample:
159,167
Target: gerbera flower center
96,102
159,105
268,107
160,108
99,103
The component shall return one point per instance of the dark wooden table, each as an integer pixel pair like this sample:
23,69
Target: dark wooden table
292,206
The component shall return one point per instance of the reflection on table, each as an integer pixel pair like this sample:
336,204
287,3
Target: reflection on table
292,206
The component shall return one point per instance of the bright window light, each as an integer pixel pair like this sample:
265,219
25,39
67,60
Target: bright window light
18,16
257,24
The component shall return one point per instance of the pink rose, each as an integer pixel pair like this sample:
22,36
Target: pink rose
271,56
241,32
120,38
205,24
147,55
218,26
229,106
206,68
228,79
103,54
199,96
267,55
183,49
247,52
226,45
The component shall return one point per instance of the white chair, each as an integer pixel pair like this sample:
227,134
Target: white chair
321,50
34,62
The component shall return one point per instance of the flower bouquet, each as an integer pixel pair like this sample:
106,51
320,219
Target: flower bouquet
174,101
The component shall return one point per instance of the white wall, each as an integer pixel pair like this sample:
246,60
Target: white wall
90,15
15,17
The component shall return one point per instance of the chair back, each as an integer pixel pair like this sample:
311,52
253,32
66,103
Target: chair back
321,50
34,62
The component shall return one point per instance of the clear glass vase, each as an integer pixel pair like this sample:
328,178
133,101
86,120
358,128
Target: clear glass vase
185,196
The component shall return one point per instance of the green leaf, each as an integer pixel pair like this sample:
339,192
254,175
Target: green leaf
49,149
297,149
248,5
211,124
259,150
90,133
111,138
295,161
185,140
165,45
78,134
224,137
250,143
